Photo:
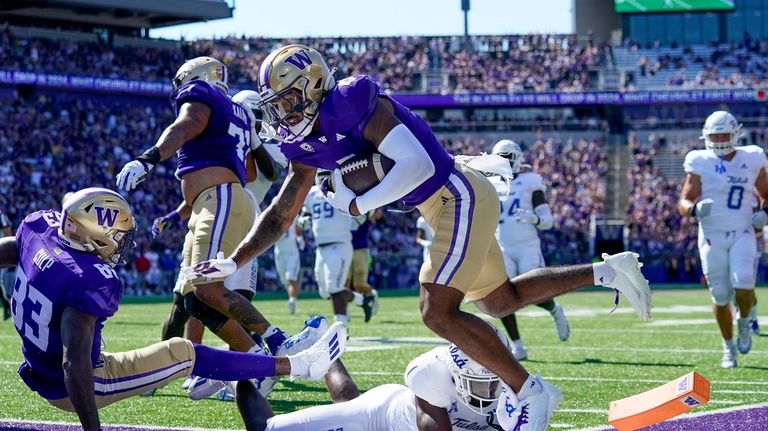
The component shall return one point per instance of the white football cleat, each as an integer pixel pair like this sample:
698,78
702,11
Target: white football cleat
520,353
314,328
531,409
630,281
561,323
202,387
744,342
729,359
187,382
314,362
226,394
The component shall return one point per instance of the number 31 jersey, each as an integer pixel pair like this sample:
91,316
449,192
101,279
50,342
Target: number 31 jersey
50,278
729,184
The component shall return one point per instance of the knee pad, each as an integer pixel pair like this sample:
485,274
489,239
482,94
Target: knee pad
212,318
721,296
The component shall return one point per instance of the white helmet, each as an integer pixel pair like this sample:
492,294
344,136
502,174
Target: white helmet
477,387
509,150
721,123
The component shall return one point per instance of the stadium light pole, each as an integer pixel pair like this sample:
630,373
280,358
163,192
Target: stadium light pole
465,9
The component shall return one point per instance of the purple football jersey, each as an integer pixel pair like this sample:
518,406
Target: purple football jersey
360,235
226,139
49,278
343,115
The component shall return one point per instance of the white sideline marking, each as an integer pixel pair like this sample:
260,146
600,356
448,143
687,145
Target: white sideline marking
115,426
688,416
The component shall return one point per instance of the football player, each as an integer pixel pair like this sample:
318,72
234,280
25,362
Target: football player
211,136
524,212
358,270
67,286
5,230
718,191
331,229
288,262
444,389
423,236
323,123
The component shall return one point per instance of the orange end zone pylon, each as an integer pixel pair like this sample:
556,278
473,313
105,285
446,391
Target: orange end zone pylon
659,404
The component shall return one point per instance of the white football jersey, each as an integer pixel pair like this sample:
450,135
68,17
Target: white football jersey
287,242
428,377
729,184
328,224
518,193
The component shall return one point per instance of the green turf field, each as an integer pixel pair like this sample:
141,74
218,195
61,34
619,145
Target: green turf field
623,6
609,356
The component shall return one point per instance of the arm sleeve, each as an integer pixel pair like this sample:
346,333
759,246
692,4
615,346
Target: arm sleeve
412,167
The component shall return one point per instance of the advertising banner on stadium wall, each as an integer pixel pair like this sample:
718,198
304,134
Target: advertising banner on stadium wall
459,100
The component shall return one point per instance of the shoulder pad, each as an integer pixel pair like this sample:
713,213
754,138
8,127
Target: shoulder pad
349,105
429,379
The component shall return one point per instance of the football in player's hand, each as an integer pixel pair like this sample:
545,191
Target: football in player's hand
363,173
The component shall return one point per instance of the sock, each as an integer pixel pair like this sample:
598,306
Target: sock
274,338
603,274
532,386
299,367
518,344
548,305
729,345
227,365
341,318
358,298
291,300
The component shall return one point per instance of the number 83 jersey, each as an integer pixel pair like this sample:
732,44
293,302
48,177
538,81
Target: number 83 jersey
729,184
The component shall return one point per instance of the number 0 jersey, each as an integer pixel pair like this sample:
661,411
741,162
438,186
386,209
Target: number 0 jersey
517,194
50,278
729,184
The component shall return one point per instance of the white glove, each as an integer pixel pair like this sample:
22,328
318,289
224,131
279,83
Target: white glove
702,208
526,216
342,197
132,174
214,268
507,411
759,219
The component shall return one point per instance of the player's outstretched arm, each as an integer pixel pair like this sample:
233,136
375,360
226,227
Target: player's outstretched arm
77,340
279,215
9,254
431,418
191,121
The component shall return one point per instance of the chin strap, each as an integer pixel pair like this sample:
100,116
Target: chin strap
615,302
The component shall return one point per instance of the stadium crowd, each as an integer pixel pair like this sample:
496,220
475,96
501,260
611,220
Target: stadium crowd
55,143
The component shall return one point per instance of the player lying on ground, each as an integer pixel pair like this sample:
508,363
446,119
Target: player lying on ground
445,390
323,124
66,287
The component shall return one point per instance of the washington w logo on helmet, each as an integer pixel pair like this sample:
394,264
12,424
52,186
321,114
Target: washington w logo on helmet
106,216
300,59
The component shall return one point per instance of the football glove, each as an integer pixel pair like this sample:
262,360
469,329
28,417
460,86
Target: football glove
526,216
342,197
133,173
214,268
702,208
162,223
760,219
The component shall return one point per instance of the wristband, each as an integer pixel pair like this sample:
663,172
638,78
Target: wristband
151,156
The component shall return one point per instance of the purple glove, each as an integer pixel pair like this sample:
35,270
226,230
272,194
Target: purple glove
162,223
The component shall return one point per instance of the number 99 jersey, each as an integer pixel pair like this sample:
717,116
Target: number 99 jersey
729,184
